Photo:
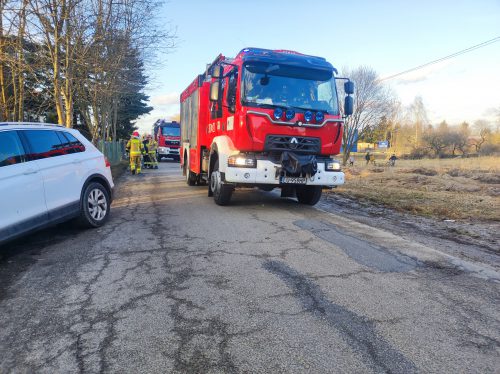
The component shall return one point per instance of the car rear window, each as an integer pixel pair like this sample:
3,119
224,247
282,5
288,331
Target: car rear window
11,148
72,144
44,144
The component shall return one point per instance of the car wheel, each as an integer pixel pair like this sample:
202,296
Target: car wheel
94,207
308,195
221,193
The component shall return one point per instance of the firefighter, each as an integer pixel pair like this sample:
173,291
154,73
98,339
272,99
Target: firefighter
152,146
135,149
146,163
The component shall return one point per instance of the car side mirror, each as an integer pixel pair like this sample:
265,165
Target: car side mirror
349,88
348,106
214,91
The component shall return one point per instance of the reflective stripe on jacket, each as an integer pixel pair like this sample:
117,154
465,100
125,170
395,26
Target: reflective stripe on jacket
135,146
152,147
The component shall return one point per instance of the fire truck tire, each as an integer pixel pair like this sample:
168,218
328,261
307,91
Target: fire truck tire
308,195
191,179
222,193
190,176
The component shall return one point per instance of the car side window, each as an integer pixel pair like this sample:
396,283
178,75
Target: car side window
231,89
11,148
74,145
44,144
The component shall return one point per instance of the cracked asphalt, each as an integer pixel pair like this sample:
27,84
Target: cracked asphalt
176,284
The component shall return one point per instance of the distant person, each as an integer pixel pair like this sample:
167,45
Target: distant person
152,146
372,159
135,149
351,160
392,160
367,157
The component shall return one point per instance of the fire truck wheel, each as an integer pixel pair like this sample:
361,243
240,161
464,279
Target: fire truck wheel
190,176
308,195
222,194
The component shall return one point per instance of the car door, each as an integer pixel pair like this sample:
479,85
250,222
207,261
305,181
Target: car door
59,170
22,196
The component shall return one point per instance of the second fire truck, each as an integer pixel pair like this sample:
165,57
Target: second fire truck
267,119
168,137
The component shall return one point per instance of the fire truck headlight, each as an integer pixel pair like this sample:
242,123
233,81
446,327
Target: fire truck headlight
308,115
332,166
278,113
319,117
290,114
240,161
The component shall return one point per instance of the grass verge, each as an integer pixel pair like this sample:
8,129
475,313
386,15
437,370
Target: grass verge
446,189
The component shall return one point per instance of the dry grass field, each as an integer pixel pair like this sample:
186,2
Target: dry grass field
460,188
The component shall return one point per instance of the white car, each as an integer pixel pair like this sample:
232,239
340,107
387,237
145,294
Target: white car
49,174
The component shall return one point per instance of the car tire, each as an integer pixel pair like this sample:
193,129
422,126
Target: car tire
308,195
221,192
94,205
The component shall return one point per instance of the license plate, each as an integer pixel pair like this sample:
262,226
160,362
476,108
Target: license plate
174,151
293,180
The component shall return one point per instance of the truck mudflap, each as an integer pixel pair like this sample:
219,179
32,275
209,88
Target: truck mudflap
270,172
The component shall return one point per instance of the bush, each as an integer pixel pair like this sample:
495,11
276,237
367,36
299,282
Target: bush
489,149
418,153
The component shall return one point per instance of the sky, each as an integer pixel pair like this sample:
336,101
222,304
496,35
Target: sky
388,36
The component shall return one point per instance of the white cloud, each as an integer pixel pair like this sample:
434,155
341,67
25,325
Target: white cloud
171,98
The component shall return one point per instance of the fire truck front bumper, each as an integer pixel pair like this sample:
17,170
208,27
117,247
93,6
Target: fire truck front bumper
268,172
168,151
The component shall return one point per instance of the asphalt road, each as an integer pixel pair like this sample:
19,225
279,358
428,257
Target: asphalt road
175,283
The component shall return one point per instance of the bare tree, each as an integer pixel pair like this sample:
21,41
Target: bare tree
418,114
372,101
437,139
3,59
120,31
460,138
484,131
83,51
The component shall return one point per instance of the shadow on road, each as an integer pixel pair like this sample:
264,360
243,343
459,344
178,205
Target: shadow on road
17,256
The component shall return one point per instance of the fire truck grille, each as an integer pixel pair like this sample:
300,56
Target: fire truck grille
296,144
172,142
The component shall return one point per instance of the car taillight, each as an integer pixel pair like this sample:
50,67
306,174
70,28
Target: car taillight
108,165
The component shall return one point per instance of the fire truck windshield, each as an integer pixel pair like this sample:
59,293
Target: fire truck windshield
272,85
170,131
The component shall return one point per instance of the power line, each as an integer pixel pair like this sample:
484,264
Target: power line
480,45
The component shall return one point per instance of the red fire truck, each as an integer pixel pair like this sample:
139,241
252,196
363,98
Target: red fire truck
267,118
168,136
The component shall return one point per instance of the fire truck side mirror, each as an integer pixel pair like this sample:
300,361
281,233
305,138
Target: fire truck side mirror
349,88
348,106
217,71
214,91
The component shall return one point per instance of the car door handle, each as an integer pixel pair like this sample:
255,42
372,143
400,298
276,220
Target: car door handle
30,171
77,161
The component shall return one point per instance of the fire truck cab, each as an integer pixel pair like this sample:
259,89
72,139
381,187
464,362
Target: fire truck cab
168,136
267,119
